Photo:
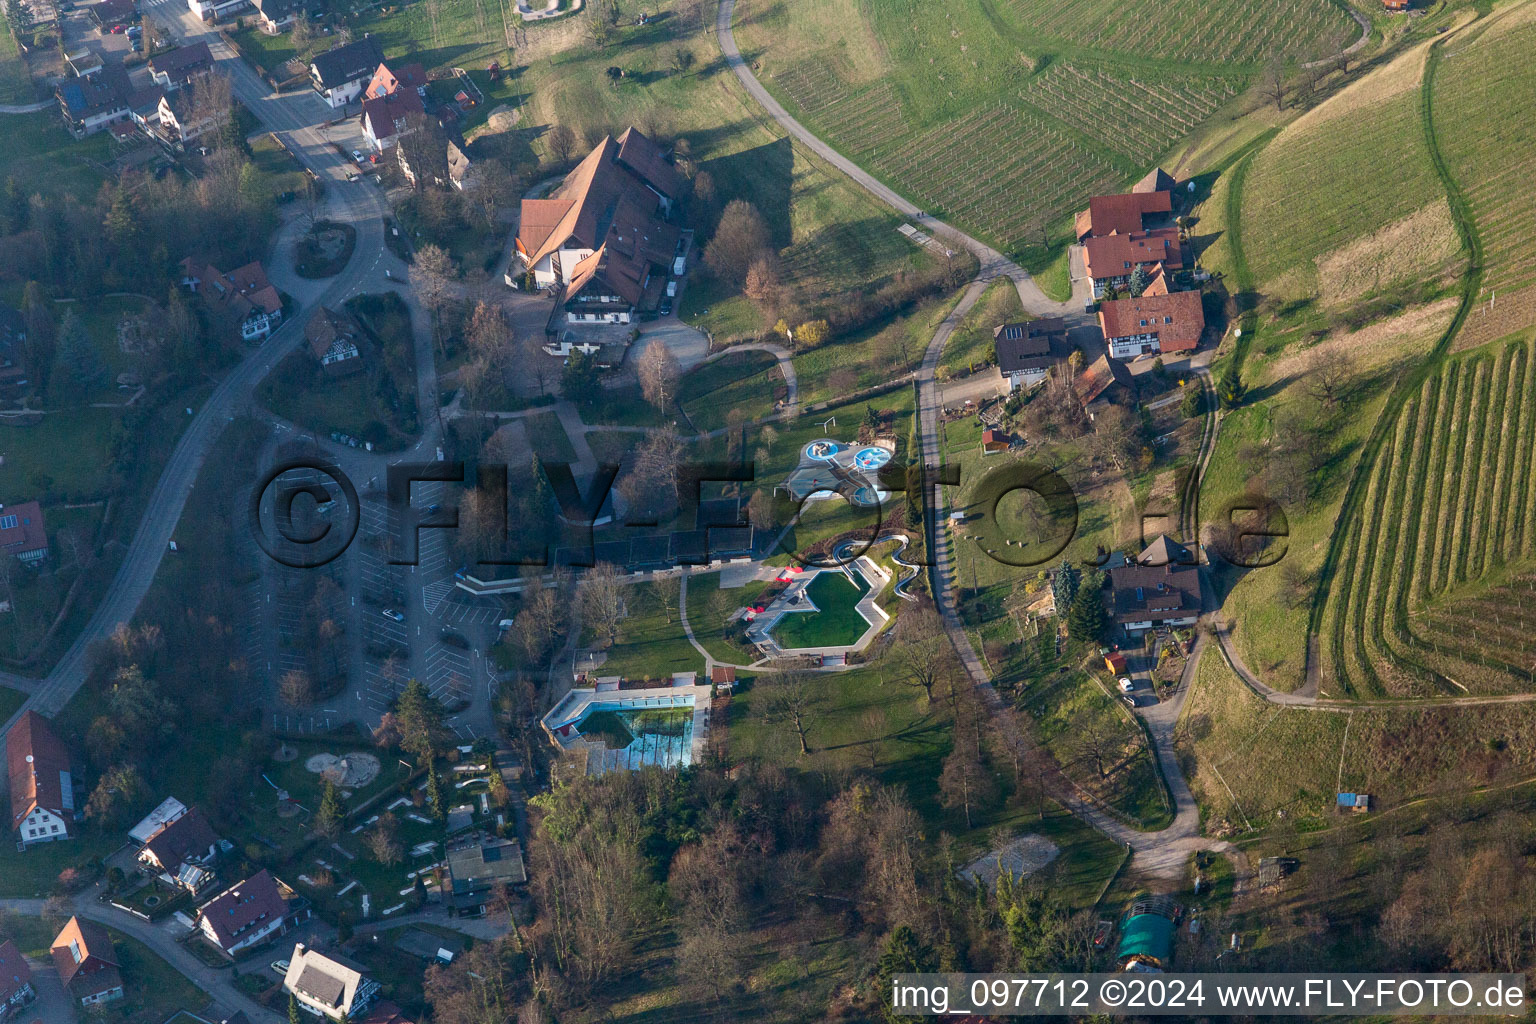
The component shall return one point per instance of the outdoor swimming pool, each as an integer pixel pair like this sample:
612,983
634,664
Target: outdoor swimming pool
822,451
651,731
871,458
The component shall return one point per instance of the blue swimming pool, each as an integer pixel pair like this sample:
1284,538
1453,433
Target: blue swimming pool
871,458
823,450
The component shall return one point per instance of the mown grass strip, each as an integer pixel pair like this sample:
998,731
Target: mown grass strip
1497,513
1450,388
1469,472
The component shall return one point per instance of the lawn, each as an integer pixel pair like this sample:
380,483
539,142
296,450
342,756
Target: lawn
34,872
153,990
1481,86
708,606
971,345
739,386
15,80
835,623
651,643
282,173
43,157
1373,191
547,438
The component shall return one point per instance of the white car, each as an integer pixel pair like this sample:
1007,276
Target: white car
357,155
1126,685
390,613
280,967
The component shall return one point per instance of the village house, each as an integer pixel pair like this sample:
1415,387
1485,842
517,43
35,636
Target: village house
185,839
1161,587
1027,350
1130,213
42,785
340,75
477,865
385,82
180,119
87,963
602,236
144,107
217,10
1104,381
386,118
113,12
84,63
23,532
329,985
16,990
333,340
91,104
176,68
245,914
244,294
1110,260
278,16
1165,324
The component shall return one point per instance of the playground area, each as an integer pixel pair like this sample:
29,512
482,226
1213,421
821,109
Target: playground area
829,467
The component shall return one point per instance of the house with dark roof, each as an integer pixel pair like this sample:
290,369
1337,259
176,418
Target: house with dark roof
1103,381
1110,260
340,75
1125,214
1027,350
477,865
1161,587
244,294
16,990
602,235
91,104
181,118
386,82
245,914
176,68
386,118
23,533
42,785
277,16
113,12
187,839
1156,180
87,963
1165,324
333,340
329,985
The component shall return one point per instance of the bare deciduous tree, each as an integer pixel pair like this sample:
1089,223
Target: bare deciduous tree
792,698
603,604
659,374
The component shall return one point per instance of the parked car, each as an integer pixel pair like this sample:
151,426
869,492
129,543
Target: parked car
118,30
357,155
280,968
135,30
390,613
1126,686
666,307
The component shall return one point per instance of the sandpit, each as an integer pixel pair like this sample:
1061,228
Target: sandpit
349,770
1022,856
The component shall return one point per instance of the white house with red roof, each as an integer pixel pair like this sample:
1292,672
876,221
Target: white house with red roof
245,914
42,787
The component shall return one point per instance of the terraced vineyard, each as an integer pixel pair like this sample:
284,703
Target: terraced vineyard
1190,30
1482,106
1436,586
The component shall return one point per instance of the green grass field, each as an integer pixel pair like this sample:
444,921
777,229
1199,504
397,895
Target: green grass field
835,623
15,80
971,344
1363,152
43,157
708,606
651,642
1055,102
739,386
1477,88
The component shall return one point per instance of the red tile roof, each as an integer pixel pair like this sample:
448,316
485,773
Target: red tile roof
645,158
386,115
1178,320
243,905
14,971
1099,376
1107,256
1123,213
83,953
386,81
39,765
29,534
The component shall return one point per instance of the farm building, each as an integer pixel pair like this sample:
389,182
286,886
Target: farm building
1111,260
1159,589
1153,323
1125,214
1146,935
1026,351
1103,381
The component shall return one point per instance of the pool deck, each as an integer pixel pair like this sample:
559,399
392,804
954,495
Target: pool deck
761,630
684,692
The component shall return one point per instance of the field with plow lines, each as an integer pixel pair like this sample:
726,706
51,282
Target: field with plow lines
1353,166
1437,584
1482,100
1214,31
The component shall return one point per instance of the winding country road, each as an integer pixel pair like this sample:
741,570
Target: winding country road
298,119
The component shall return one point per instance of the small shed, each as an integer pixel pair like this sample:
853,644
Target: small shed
723,677
1356,802
1115,662
993,440
1272,869
1146,934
